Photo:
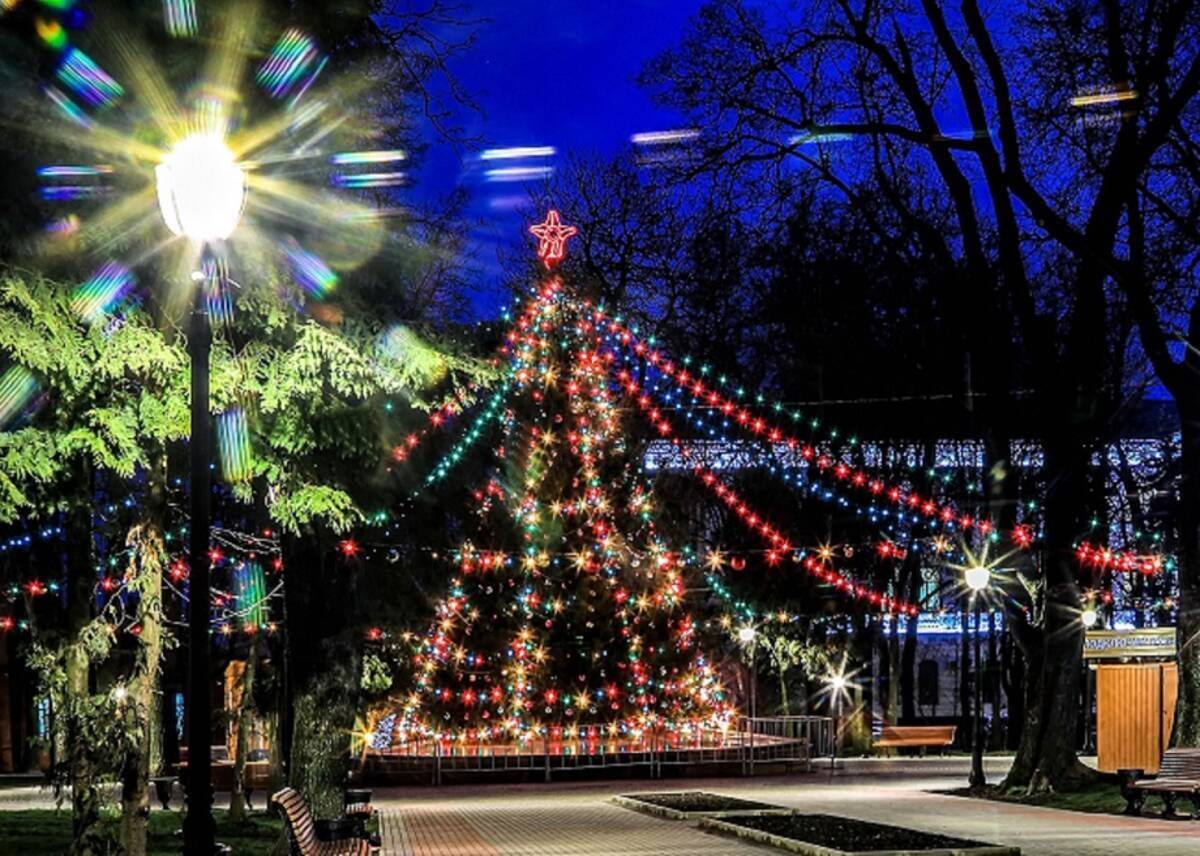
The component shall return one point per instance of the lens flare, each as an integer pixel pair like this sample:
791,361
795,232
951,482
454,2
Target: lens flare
216,293
291,57
64,227
517,152
77,182
51,33
79,73
312,273
109,285
342,158
181,17
356,181
17,388
369,179
72,110
233,440
250,591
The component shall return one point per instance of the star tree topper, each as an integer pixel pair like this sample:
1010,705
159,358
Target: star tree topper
552,238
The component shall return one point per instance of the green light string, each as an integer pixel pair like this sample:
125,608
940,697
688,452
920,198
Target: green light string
490,412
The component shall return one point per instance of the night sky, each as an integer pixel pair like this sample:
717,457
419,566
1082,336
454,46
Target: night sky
549,73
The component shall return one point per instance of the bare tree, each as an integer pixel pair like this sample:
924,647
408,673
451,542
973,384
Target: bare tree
857,95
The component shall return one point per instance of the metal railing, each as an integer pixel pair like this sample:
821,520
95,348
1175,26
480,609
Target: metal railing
787,740
817,731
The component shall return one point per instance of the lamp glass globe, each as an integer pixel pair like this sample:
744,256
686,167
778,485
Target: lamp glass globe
201,189
977,578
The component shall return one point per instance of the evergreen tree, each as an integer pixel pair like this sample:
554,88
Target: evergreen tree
571,615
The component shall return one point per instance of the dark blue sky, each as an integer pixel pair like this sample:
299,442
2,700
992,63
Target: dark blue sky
550,73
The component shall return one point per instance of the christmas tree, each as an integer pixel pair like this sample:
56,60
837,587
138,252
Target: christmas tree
569,618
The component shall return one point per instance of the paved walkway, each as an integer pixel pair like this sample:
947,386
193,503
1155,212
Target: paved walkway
580,820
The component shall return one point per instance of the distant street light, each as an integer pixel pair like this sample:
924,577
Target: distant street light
201,194
977,578
1089,618
835,683
747,636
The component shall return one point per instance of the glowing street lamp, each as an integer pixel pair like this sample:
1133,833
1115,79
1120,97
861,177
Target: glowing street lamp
201,185
835,685
977,578
747,636
201,189
201,195
1089,618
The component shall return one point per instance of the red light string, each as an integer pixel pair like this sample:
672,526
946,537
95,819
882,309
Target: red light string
1121,561
779,546
765,430
1089,555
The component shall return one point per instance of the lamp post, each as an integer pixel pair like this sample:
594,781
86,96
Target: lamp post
201,194
1090,618
747,635
977,579
837,686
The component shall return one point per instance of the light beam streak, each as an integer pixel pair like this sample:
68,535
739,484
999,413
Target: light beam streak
233,441
94,299
17,389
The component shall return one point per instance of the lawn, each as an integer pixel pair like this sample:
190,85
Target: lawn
47,832
1096,798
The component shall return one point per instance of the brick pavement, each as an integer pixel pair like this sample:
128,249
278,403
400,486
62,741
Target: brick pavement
535,827
579,819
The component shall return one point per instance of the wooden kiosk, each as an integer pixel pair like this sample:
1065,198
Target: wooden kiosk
1136,685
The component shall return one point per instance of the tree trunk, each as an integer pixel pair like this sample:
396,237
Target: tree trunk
148,564
324,719
87,837
245,713
964,678
783,692
995,733
1186,731
325,676
908,658
1014,690
1046,759
893,689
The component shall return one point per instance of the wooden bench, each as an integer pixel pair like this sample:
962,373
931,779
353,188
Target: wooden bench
302,830
1178,776
920,736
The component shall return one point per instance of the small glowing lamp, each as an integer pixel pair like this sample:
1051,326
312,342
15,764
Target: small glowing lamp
1089,617
746,634
201,189
977,578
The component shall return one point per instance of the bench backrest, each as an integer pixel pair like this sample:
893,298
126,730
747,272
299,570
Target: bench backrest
934,733
1180,764
298,818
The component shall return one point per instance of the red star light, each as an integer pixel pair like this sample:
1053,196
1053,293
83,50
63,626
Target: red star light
552,238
